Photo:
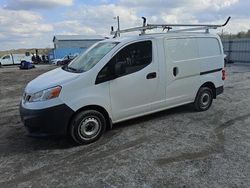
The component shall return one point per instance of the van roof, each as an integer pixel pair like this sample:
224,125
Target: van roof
160,35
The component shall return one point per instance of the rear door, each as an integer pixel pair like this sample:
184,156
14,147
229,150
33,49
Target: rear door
183,70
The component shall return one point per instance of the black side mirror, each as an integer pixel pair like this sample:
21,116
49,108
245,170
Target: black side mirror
119,68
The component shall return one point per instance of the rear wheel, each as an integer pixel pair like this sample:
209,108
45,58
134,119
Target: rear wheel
204,99
87,126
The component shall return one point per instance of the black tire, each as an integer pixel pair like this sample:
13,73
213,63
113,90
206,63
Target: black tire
204,99
87,126
0,64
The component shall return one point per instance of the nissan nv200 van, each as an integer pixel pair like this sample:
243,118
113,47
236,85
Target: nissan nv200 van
123,78
126,77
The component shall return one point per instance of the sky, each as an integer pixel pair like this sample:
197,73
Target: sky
33,23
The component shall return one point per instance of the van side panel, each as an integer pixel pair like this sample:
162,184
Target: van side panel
170,90
211,53
182,70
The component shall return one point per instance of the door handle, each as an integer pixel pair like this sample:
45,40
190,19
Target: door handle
175,71
151,75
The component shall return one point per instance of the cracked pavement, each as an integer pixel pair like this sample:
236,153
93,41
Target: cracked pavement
173,148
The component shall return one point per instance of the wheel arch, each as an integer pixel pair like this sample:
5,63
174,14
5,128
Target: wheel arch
210,85
97,108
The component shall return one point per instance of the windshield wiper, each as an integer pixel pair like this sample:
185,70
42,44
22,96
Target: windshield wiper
73,69
66,67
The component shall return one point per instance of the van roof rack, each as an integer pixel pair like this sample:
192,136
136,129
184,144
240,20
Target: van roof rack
168,27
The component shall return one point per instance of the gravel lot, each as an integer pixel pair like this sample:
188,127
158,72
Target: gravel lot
173,148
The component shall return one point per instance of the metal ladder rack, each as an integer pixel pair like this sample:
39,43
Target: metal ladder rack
168,27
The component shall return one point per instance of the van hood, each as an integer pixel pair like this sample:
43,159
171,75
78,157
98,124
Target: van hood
50,79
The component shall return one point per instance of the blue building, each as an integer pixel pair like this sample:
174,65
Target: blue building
72,44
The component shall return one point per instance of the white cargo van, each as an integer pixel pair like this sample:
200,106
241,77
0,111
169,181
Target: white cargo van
123,78
13,59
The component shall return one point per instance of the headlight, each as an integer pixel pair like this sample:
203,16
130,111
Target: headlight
45,94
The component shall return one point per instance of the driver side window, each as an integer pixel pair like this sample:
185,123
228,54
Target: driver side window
132,58
6,57
135,57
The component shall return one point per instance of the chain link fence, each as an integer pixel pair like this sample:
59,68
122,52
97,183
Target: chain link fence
237,50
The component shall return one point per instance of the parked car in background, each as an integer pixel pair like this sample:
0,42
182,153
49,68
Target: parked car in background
13,59
66,60
54,61
62,61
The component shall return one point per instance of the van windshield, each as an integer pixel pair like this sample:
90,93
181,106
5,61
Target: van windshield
91,57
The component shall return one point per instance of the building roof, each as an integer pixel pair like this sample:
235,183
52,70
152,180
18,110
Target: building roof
78,37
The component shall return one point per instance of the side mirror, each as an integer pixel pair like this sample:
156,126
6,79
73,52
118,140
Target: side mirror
119,68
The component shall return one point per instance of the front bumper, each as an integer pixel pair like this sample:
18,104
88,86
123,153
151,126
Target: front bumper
49,121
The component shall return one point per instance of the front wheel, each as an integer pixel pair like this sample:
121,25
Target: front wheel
87,126
204,99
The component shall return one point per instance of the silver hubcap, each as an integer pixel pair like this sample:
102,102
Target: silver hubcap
89,128
205,100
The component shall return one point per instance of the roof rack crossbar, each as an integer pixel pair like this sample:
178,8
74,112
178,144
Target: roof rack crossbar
192,27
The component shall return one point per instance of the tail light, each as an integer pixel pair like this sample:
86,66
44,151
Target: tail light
223,74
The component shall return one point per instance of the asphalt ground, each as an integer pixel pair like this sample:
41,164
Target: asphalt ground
173,148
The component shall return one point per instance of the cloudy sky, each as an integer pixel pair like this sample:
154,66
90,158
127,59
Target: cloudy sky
33,23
